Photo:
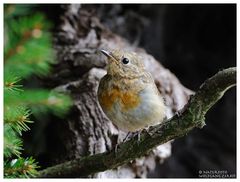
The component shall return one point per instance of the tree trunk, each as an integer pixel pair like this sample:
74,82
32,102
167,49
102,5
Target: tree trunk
79,68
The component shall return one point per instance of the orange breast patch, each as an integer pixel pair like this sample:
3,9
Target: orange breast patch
128,100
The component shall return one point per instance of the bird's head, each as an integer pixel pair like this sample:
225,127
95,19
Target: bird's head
124,64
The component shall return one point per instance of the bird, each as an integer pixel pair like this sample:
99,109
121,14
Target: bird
128,94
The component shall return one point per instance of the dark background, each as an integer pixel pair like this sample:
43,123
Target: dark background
194,42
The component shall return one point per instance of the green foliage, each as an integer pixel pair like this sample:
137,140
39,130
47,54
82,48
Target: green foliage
16,10
41,101
12,142
17,117
11,83
20,168
27,51
28,47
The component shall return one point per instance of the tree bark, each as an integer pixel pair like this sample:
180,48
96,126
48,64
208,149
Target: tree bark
80,66
192,116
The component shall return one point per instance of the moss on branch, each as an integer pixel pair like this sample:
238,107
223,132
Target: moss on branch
193,115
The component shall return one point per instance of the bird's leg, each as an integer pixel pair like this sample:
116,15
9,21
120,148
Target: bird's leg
115,148
178,113
127,136
138,134
148,132
124,140
133,134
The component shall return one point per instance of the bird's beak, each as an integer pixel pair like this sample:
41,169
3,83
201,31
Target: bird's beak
109,56
106,53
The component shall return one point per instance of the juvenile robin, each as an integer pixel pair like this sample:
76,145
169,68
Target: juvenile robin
127,93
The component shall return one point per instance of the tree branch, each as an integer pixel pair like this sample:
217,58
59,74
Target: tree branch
193,115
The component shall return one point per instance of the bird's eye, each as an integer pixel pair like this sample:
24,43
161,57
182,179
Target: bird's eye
125,60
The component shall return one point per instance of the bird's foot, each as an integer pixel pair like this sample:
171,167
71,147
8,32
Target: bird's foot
116,148
138,134
131,135
127,136
178,114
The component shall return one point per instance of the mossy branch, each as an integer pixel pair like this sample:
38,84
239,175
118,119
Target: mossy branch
193,115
